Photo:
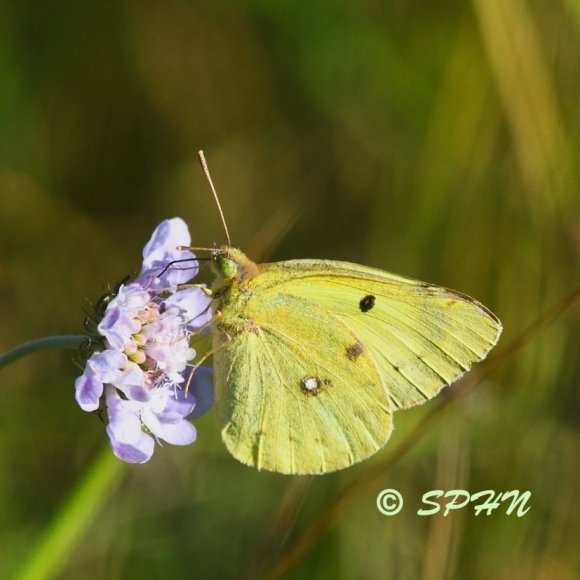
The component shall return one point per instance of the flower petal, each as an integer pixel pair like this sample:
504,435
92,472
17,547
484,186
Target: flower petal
177,407
139,451
131,297
151,421
194,304
180,433
132,383
88,390
117,326
167,235
106,364
162,249
124,422
201,387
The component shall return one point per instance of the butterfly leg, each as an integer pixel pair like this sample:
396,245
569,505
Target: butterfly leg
207,291
227,340
204,358
217,314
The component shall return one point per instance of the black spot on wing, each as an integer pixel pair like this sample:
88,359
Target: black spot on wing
367,303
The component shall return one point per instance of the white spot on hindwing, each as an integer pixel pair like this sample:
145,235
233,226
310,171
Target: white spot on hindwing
312,385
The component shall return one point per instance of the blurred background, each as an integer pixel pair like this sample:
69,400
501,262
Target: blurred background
436,140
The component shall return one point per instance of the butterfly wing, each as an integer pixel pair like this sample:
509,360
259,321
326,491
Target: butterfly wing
421,336
287,396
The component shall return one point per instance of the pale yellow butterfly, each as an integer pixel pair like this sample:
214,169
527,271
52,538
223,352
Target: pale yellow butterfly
312,357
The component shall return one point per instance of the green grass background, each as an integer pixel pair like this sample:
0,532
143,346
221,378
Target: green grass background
436,140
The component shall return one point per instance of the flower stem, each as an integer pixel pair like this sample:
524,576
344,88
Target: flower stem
57,544
67,341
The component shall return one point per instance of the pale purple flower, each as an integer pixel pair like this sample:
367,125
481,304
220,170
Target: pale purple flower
146,331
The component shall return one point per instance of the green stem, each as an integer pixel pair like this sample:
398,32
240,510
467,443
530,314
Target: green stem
67,341
56,545
49,557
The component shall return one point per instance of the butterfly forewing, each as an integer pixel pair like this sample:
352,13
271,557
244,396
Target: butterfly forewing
421,336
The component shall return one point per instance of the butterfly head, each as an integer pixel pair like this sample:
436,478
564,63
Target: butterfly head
232,263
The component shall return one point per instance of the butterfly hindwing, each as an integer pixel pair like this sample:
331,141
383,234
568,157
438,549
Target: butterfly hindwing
296,389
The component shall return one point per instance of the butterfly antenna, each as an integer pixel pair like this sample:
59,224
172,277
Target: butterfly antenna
203,162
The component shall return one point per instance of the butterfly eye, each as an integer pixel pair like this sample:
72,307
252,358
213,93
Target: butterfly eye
227,267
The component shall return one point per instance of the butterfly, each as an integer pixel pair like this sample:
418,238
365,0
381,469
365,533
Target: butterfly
313,357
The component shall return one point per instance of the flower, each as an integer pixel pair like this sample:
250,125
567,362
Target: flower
145,362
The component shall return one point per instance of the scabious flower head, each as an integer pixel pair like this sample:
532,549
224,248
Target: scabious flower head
143,359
